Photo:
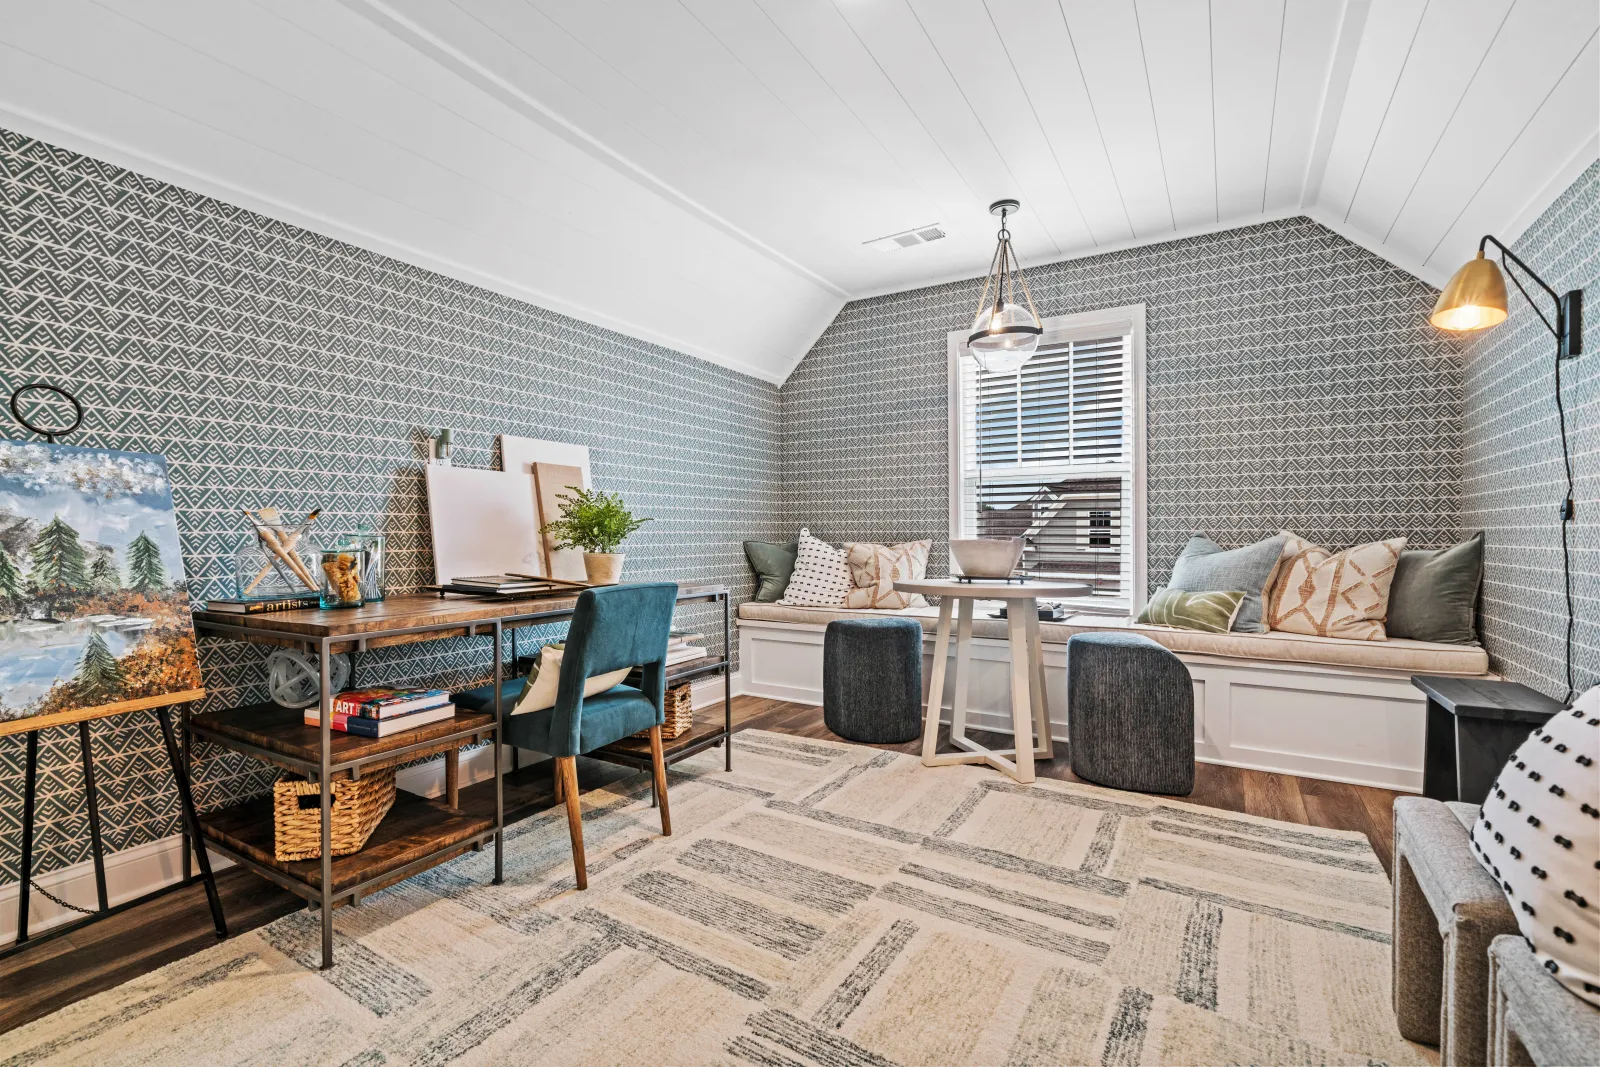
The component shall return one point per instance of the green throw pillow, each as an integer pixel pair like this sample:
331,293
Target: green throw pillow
1434,593
773,565
1211,613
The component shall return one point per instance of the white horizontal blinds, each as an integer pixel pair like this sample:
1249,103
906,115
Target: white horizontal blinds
1046,456
1071,526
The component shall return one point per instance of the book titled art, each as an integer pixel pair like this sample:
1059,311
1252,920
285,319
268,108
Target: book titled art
94,609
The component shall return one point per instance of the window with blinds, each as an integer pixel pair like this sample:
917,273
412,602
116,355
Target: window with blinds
1047,454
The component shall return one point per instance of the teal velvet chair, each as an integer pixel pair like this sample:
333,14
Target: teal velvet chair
612,627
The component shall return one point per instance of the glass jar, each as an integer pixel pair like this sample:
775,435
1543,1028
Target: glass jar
278,561
342,570
372,573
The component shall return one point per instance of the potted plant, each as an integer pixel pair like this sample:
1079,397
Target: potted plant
597,523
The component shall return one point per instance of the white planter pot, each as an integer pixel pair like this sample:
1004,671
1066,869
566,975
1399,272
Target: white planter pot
604,568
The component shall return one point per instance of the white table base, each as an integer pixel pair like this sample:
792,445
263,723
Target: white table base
1030,711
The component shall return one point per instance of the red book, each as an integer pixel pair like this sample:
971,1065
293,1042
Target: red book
365,727
382,702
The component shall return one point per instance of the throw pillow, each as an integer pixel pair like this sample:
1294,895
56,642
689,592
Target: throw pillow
875,568
821,577
773,564
1211,613
1435,593
1538,833
1334,594
544,676
1206,567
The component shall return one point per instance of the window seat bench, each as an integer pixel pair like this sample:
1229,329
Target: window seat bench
1313,706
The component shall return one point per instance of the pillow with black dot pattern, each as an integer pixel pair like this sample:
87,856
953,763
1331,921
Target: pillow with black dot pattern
1539,835
821,577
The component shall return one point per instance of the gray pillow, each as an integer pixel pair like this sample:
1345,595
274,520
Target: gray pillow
1206,567
1435,591
773,564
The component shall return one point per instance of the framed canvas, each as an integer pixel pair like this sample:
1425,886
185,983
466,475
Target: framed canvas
94,607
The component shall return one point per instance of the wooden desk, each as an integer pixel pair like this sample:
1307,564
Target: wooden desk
1473,727
431,832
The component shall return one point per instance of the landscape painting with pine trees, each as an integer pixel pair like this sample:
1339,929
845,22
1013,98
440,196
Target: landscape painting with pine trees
94,609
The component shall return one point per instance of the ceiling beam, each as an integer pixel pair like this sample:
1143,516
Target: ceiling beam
397,25
1351,26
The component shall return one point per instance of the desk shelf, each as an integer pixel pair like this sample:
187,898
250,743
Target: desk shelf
416,833
280,736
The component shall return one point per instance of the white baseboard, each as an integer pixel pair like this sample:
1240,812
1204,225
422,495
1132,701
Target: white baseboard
130,873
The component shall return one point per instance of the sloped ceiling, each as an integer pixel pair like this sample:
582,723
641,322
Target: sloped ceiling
705,174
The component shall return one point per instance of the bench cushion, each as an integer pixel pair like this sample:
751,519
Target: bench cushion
1426,657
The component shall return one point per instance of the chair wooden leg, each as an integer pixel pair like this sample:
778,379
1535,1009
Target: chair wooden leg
658,768
568,766
555,779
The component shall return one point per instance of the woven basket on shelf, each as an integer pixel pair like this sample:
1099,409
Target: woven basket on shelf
358,807
679,713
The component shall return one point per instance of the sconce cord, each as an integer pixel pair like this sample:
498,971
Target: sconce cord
1567,515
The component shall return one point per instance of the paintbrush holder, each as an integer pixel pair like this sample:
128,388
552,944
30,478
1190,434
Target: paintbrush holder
259,573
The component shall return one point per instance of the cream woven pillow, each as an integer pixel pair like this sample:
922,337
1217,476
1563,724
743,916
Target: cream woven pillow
875,568
1333,594
820,578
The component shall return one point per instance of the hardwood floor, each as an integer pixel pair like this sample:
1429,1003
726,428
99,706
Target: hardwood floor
57,973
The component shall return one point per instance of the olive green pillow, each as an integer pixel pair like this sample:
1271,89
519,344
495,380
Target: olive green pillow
1434,593
1211,613
773,565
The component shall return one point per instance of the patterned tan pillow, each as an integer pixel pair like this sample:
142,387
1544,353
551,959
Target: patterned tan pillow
875,568
1333,594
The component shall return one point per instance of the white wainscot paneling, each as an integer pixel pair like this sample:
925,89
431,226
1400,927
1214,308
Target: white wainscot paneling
1352,725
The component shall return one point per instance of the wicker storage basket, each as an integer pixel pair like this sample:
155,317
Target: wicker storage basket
358,807
679,713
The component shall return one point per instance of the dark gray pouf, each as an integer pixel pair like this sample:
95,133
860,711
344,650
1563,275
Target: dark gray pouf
872,679
1130,714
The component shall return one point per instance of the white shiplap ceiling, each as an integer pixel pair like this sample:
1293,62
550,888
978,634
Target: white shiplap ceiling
704,173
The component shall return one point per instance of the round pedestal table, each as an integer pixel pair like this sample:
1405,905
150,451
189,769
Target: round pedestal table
1030,710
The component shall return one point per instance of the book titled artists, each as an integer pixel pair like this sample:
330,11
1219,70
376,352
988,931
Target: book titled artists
383,711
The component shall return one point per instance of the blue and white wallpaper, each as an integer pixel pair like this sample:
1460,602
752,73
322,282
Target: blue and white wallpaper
1514,479
273,366
1292,381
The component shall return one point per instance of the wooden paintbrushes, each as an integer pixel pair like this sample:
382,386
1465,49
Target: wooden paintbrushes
280,544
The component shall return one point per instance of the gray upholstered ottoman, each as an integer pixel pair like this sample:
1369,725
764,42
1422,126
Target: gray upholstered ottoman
1533,1019
872,679
1130,714
1446,911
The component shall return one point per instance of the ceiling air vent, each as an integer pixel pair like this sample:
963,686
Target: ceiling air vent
917,235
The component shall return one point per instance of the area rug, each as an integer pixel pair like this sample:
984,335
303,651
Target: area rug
823,904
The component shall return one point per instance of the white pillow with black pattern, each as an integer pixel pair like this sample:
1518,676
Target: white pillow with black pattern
821,576
1538,833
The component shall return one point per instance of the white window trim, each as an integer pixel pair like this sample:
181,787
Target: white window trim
1086,326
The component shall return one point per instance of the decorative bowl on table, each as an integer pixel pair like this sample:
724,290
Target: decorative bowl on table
986,557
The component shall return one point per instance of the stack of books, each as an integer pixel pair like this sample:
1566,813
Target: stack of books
382,711
681,648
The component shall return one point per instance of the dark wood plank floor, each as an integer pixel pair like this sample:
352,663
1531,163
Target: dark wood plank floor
57,973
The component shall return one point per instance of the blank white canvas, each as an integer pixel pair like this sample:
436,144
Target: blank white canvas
519,454
483,522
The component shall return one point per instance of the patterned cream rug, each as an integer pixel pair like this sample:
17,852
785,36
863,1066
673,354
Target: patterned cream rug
824,904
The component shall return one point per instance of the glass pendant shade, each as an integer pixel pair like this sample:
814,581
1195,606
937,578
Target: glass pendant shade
1473,299
1005,331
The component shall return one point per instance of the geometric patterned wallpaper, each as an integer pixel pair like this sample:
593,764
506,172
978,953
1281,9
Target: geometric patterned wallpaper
1292,381
1514,479
271,365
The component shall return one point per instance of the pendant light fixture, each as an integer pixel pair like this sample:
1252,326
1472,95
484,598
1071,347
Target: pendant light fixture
1005,333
